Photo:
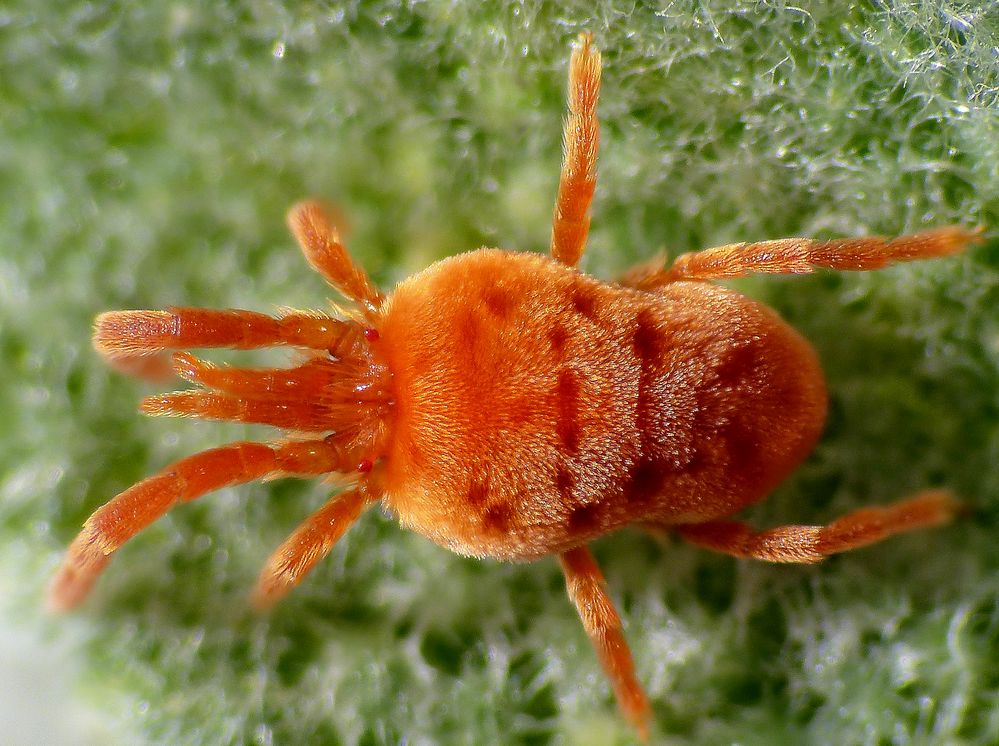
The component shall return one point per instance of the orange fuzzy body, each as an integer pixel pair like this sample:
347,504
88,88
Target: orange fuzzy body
537,408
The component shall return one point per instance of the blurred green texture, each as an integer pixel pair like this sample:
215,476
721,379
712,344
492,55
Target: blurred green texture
148,152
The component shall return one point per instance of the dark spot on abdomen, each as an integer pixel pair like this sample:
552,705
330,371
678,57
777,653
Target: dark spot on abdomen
646,482
496,518
738,366
468,324
565,483
567,391
584,300
742,447
478,491
648,474
558,336
499,302
646,339
584,519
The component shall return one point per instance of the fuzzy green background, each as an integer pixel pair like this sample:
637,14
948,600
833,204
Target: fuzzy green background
148,152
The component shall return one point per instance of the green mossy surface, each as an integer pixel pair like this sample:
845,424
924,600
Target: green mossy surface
147,154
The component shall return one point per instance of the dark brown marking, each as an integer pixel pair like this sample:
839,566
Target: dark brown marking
584,519
647,342
647,339
743,448
558,336
737,366
646,482
567,425
499,302
565,482
478,491
468,328
584,301
696,459
497,518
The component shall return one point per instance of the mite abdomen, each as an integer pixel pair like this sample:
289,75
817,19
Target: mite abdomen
537,407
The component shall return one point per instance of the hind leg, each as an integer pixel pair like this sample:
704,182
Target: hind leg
803,255
813,543
585,585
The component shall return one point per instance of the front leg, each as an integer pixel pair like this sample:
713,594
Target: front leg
585,585
136,334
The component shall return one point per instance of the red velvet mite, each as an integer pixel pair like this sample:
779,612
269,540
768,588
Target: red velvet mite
506,405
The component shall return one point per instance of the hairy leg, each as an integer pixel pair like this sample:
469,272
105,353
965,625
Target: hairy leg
318,396
129,334
813,543
581,137
124,516
316,233
309,380
585,585
299,415
155,367
803,255
311,542
291,398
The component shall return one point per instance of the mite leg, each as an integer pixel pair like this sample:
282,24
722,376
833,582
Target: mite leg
803,255
300,415
310,543
580,138
306,381
155,367
585,585
313,228
316,396
127,514
315,379
129,334
813,543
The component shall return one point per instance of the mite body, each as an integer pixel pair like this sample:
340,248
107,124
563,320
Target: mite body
575,407
506,405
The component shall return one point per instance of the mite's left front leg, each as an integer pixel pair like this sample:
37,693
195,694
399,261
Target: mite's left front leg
585,585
